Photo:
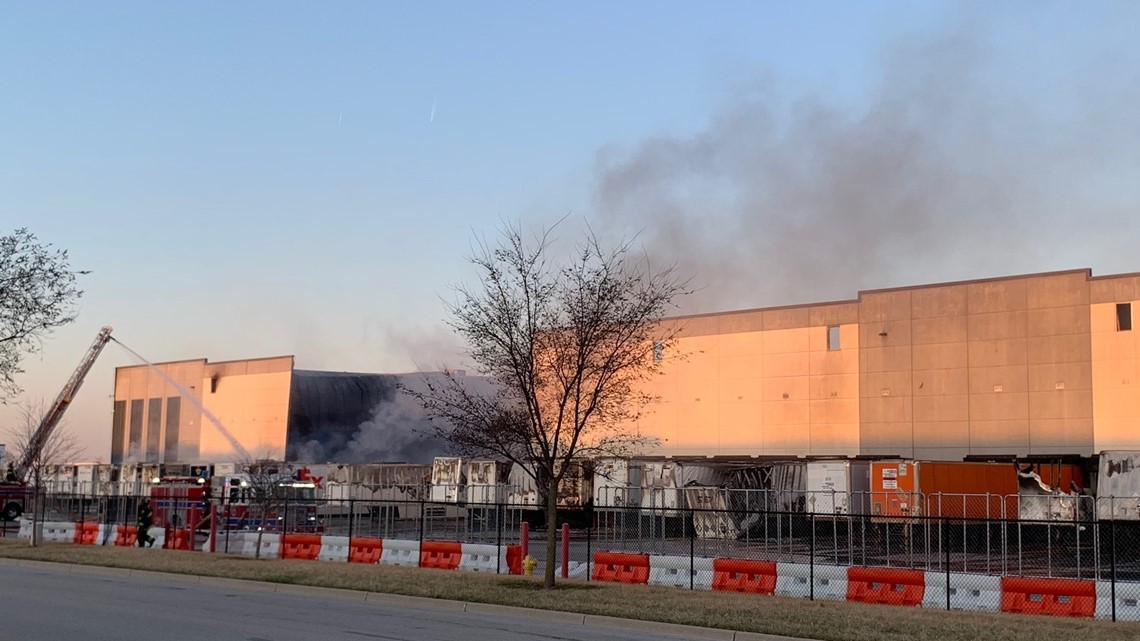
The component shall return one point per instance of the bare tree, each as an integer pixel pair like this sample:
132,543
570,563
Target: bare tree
61,447
37,295
569,346
267,489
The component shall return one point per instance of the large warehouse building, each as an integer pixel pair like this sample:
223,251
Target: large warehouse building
1038,365
1041,365
163,414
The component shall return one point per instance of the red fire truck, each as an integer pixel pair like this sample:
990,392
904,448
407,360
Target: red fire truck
186,502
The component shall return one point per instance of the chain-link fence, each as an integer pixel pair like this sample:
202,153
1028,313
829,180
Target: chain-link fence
967,552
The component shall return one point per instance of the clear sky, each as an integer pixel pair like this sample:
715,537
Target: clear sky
261,178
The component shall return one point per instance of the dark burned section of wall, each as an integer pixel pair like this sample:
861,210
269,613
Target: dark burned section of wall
355,418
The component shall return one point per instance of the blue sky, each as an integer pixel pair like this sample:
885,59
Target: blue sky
257,178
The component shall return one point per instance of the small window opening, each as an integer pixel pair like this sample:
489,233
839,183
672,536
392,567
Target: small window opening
833,338
1123,317
658,351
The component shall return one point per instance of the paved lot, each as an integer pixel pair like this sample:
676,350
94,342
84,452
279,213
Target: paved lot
53,603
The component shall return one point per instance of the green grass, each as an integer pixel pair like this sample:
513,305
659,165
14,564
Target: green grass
827,621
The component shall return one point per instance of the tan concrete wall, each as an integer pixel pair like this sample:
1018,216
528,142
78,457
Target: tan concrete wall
1010,366
759,383
143,383
1115,365
250,398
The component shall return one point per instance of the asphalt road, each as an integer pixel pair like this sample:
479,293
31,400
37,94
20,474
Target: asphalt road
52,603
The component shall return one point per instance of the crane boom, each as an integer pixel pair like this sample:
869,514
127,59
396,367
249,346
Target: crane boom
55,413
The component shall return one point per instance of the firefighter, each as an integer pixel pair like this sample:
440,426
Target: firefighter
145,520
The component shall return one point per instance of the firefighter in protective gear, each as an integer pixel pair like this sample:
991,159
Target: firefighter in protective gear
145,520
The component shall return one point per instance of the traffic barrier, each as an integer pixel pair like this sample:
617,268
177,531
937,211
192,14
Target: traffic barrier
823,582
976,592
159,536
365,550
270,545
397,552
1055,597
87,533
174,538
680,572
743,575
483,558
616,567
126,535
59,532
441,555
886,586
514,558
1127,601
334,548
25,532
305,547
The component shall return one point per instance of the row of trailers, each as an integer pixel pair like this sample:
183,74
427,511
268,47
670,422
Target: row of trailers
706,489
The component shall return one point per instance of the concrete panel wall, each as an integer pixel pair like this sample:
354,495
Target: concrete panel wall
141,383
761,383
1115,365
251,399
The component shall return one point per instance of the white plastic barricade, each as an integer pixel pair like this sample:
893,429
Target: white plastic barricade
159,536
59,532
108,534
675,571
270,545
581,570
26,530
483,558
977,592
398,552
796,579
334,548
1127,601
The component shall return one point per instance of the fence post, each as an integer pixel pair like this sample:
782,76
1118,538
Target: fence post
1112,561
946,544
589,539
692,549
423,517
566,550
226,505
524,538
499,539
351,515
811,558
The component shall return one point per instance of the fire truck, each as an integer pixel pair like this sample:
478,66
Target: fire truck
181,501
14,491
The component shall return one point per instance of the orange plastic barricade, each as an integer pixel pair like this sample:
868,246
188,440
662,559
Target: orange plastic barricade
621,568
301,546
514,559
126,535
363,550
87,533
179,539
442,555
881,585
1056,597
742,575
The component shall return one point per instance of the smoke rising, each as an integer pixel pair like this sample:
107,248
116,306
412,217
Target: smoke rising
398,431
944,173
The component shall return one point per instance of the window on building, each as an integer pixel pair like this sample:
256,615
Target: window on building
833,338
1123,317
658,351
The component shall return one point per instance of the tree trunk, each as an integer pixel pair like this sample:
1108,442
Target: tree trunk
551,531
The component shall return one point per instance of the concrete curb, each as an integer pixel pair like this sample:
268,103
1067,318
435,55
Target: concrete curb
551,616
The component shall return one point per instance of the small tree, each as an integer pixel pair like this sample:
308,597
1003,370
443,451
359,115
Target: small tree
266,491
37,295
569,348
60,447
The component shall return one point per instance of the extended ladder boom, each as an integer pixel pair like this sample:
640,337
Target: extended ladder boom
55,413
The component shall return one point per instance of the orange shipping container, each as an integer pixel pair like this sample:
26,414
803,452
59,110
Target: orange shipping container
957,489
